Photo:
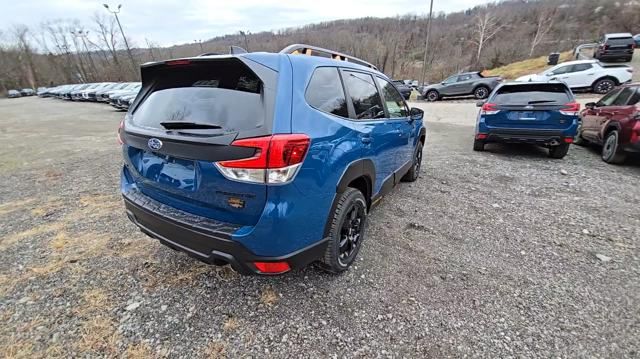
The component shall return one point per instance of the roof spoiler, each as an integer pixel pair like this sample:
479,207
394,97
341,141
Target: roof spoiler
302,49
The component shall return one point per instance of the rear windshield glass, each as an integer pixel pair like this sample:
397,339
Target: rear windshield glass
225,94
619,41
532,94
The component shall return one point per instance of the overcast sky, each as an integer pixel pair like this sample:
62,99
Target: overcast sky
170,22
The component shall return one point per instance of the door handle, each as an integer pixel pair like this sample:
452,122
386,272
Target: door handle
365,139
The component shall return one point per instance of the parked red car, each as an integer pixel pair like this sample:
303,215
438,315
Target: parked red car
614,123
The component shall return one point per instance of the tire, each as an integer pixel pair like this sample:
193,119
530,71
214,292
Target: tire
481,92
414,172
344,243
432,96
611,152
559,151
478,145
603,86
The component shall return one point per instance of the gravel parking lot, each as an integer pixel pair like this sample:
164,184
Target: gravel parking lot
498,254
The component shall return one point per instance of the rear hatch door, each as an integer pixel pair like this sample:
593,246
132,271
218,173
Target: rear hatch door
532,106
184,119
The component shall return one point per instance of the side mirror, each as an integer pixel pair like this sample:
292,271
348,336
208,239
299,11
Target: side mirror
480,103
590,105
416,114
443,83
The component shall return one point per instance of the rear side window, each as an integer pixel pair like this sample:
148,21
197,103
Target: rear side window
364,95
325,92
393,99
531,94
219,93
581,67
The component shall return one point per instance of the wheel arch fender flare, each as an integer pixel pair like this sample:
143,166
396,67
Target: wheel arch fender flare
363,168
606,77
608,127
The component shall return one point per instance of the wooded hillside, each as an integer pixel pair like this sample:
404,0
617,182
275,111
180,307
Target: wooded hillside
482,37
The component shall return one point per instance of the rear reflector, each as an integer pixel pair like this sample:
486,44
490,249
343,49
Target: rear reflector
570,109
272,267
276,159
568,140
481,136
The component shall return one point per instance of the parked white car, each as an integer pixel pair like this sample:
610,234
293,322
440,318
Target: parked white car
585,74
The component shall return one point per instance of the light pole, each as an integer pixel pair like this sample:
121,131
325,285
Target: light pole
126,44
426,44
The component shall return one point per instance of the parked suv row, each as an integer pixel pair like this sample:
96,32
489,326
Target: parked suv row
266,161
118,94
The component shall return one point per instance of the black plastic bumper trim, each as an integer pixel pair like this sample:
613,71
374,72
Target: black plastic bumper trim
212,247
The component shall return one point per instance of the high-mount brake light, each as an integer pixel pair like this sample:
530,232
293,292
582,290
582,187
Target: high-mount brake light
570,109
489,109
276,159
177,62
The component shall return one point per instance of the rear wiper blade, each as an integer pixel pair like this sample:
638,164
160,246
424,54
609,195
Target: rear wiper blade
540,101
179,125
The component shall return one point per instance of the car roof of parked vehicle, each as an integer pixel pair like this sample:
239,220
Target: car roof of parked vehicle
618,35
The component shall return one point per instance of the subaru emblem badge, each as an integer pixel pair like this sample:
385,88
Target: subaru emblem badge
154,144
529,107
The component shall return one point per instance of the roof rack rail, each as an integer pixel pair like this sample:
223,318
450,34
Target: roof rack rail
302,49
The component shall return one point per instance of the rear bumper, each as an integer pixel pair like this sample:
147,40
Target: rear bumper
204,239
538,137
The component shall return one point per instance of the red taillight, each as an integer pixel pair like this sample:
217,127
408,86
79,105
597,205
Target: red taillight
570,109
489,109
120,129
275,151
276,159
481,136
568,140
177,62
272,267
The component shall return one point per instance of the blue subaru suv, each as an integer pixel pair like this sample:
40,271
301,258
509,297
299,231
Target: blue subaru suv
265,161
541,113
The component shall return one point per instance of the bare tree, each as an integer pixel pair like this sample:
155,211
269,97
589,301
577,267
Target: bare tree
21,33
108,36
487,26
544,23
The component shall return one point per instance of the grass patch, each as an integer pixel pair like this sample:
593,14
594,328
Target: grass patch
526,67
10,240
231,324
14,206
139,351
215,350
269,297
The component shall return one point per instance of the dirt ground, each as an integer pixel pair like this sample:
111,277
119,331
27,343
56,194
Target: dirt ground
499,254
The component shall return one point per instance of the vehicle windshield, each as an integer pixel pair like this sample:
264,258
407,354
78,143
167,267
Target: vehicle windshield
532,94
